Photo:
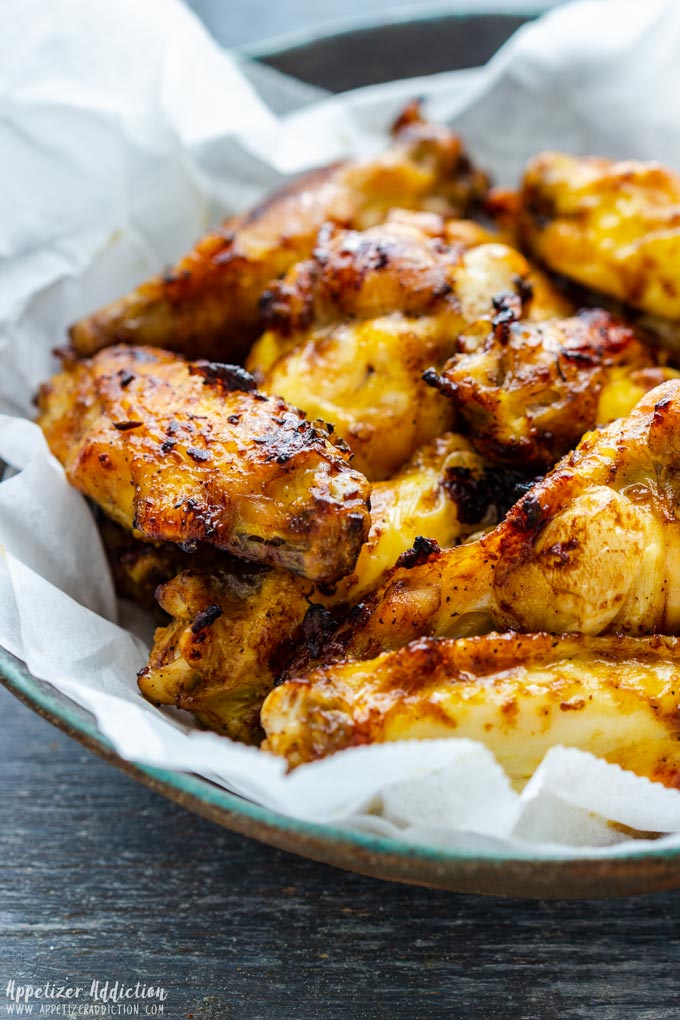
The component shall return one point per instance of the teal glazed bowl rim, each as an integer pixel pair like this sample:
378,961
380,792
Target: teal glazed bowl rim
515,873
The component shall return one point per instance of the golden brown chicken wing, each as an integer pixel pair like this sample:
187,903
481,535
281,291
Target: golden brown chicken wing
207,305
193,453
235,627
614,227
528,391
352,330
594,547
519,694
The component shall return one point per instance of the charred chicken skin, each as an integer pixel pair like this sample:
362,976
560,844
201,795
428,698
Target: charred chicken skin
206,306
192,453
594,547
614,227
232,625
139,567
617,697
529,390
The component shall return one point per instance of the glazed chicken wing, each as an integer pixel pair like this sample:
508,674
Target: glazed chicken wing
352,330
193,453
614,227
594,547
529,390
206,306
519,694
234,627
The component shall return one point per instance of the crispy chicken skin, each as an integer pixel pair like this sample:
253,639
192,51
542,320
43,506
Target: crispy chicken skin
548,300
614,227
528,390
352,330
617,697
594,547
234,627
193,453
501,209
206,306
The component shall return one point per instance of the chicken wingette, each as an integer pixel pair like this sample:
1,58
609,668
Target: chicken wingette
614,227
191,452
206,306
519,694
234,627
529,390
352,330
593,547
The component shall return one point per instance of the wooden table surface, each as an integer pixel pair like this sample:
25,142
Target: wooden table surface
103,880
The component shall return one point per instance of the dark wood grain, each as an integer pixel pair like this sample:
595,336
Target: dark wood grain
101,878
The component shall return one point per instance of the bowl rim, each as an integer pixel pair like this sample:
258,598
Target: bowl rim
408,13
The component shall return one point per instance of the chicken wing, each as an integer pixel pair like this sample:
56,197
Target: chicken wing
593,547
193,453
614,227
235,627
207,305
528,391
519,694
352,330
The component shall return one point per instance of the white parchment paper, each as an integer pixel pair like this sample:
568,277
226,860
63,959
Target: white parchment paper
124,132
